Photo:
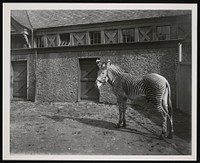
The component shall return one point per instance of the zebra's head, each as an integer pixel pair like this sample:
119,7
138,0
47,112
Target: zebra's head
102,74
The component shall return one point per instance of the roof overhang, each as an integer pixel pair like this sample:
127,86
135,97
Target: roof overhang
18,29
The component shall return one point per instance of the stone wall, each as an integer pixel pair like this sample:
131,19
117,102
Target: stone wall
141,62
57,69
57,73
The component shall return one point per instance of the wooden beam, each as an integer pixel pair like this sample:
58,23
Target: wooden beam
180,51
137,38
154,33
58,42
120,37
11,80
102,37
45,41
88,42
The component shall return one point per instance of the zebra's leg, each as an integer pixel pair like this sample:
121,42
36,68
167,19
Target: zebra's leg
171,130
170,135
157,102
169,123
168,114
120,117
170,120
121,110
164,126
161,110
124,111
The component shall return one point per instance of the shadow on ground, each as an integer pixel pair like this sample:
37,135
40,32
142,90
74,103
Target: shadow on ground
182,121
102,124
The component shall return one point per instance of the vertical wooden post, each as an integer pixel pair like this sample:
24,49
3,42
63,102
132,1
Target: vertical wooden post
137,38
88,42
102,37
11,81
45,41
120,37
58,42
180,45
154,33
79,80
32,39
168,31
71,39
36,90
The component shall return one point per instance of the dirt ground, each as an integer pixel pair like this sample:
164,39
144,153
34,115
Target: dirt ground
88,128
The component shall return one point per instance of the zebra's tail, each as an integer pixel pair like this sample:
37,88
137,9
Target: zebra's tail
169,100
170,109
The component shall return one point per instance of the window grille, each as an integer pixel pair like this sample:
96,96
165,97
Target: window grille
95,37
163,32
65,39
40,41
128,35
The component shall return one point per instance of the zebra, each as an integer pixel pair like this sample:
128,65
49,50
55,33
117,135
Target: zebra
125,86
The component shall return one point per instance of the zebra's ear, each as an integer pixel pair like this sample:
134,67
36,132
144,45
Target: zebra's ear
108,63
98,63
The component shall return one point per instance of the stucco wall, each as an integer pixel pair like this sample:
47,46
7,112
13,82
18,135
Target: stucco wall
57,77
57,70
57,73
141,62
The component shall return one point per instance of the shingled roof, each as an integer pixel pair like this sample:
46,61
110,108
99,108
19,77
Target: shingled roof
37,19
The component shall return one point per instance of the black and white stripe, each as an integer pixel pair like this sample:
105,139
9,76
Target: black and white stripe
154,86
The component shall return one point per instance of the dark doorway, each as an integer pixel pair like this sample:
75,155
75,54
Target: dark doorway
88,75
19,83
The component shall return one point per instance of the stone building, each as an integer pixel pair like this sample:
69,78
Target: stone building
53,52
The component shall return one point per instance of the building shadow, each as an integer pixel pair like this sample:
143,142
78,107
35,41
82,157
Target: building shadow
101,124
181,121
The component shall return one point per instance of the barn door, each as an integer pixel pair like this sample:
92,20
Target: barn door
184,87
88,75
20,79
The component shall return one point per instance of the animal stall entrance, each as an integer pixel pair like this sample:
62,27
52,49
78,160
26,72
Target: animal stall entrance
88,75
184,87
19,79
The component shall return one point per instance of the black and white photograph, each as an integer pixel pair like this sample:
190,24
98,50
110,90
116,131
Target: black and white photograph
98,82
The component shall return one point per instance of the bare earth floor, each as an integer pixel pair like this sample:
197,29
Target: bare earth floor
88,128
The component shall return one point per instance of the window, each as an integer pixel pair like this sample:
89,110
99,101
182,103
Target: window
163,32
128,35
65,39
95,37
18,42
40,41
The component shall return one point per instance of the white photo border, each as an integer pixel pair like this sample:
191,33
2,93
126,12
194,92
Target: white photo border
7,7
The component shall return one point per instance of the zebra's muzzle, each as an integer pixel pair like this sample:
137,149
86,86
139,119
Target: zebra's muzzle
98,83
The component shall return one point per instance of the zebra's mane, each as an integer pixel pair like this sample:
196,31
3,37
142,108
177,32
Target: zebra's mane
116,68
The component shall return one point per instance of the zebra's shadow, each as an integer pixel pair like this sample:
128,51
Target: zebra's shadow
102,124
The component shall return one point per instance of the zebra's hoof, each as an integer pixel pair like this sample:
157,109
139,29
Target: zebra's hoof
124,124
117,125
170,136
162,137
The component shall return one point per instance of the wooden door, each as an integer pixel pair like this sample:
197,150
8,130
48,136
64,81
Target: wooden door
184,87
20,79
88,75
